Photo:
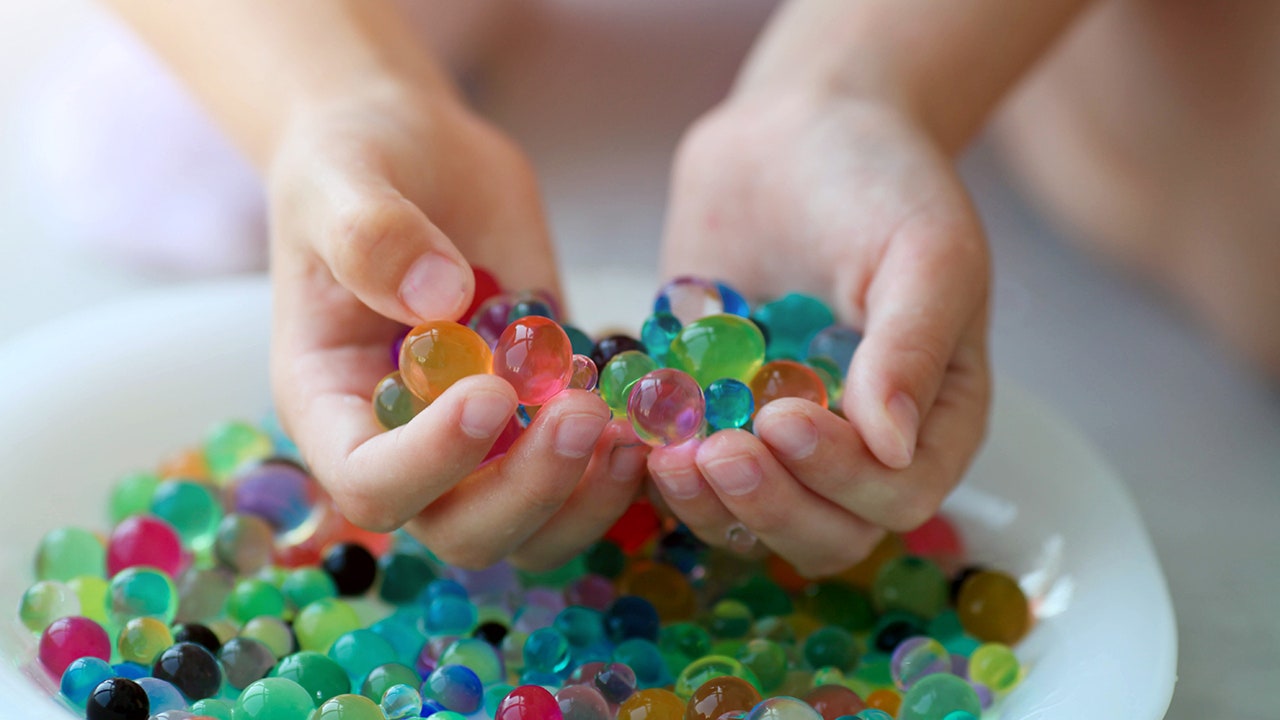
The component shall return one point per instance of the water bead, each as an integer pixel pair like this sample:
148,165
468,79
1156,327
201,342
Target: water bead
404,577
455,687
833,701
190,508
581,626
719,346
703,669
401,702
245,660
688,299
832,378
279,492
253,598
131,495
721,695
935,696
118,699
439,353
581,342
582,702
911,584
838,603
615,682
141,592
546,650
536,357
610,346
657,333
450,615
873,714
591,591
320,623
478,655
142,639
530,305
792,321
666,407
69,552
631,617
606,558
620,374
787,378
729,404
348,707
46,601
486,286
243,543
836,343
993,608
652,704
767,660
915,658
584,374
144,540
162,695
960,715
783,708
937,538
191,668
831,646
639,523
393,403
81,677
729,619
733,301
645,660
764,596
359,652
995,666
274,698
529,702
352,568
318,674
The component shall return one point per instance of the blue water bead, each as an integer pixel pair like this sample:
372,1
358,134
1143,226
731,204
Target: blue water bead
658,331
645,660
162,695
598,652
792,321
581,626
431,707
581,342
734,303
450,615
444,586
81,677
456,687
616,682
477,654
631,617
729,404
130,671
403,634
529,305
546,650
401,702
836,343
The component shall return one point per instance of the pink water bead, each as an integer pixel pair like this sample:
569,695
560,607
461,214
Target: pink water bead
585,375
534,355
70,638
144,540
666,407
529,702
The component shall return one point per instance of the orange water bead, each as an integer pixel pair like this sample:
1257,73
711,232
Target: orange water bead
993,608
535,355
721,695
188,464
787,378
652,704
864,573
439,353
662,585
886,700
832,701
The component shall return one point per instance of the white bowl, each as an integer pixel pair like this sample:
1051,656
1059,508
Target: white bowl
114,389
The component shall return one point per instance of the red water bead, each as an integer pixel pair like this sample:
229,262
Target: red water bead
936,538
635,528
529,702
505,440
832,701
486,287
144,540
787,378
70,638
535,355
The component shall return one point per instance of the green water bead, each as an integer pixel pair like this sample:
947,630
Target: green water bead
448,715
141,592
688,640
619,374
359,652
349,707
192,510
831,646
730,404
70,552
320,623
792,320
712,666
46,601
386,676
270,631
231,445
832,376
393,403
911,584
318,674
657,332
305,585
876,670
767,660
476,654
828,676
945,626
934,697
404,577
606,558
92,592
560,577
493,697
729,619
719,346
255,597
142,639
763,596
995,665
274,698
840,604
131,495
216,708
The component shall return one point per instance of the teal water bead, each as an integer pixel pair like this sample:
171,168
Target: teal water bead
560,577
191,508
546,650
792,321
605,558
450,615
402,630
274,698
253,597
936,696
131,495
244,543
348,707
581,626
658,331
141,592
46,601
359,652
318,674
840,604
216,708
320,623
719,346
730,619
831,646
70,552
404,577
729,404
872,714
384,677
305,585
580,341
911,584
493,697
915,658
272,632
767,660
476,654
688,640
765,597
401,702
620,374
994,665
960,715
783,708
645,660
712,666
455,687
81,677
232,445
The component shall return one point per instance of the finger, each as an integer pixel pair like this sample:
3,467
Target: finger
687,495
607,489
928,287
815,535
498,507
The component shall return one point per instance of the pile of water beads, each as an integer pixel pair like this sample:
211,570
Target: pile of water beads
704,359
228,588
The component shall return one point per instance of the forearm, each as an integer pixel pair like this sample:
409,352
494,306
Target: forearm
255,64
947,62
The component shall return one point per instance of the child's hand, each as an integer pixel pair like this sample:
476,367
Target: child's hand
853,201
376,202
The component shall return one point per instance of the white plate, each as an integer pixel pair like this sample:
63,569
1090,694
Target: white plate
113,389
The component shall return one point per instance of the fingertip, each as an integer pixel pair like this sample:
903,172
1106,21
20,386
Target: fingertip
488,403
675,471
436,286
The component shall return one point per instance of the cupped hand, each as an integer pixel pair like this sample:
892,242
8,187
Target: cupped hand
378,202
849,200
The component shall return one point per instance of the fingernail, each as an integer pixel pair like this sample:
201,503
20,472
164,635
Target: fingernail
626,462
737,475
576,434
433,287
484,414
793,435
905,418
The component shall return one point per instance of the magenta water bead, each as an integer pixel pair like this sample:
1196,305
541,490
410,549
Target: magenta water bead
70,638
535,355
666,407
144,540
529,702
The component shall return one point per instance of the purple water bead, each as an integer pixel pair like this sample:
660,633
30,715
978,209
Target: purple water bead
666,407
279,492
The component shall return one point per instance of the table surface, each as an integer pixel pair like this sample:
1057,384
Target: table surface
1195,435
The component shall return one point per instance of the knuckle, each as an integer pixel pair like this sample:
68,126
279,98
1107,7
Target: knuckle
911,511
361,233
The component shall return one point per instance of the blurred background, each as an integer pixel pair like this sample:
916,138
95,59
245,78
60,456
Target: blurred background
1195,433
